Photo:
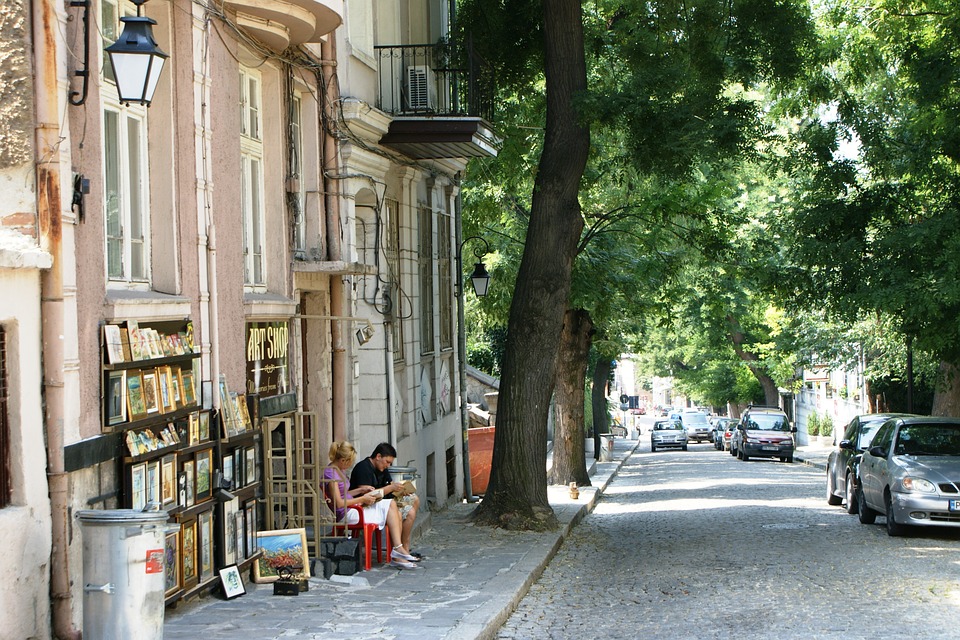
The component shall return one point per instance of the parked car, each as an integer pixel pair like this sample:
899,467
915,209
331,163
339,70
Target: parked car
695,422
720,427
764,432
668,433
911,474
843,462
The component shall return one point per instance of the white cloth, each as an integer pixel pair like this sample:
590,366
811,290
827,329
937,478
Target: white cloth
373,514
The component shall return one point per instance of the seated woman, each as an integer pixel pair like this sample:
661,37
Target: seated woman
375,509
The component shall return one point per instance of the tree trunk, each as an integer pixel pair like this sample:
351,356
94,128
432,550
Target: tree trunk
771,396
569,464
516,497
946,399
601,417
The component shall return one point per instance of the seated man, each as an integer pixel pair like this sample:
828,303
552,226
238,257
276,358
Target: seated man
372,471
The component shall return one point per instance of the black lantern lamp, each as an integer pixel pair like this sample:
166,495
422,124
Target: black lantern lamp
136,59
481,279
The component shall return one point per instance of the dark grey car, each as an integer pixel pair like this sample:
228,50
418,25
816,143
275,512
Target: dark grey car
843,462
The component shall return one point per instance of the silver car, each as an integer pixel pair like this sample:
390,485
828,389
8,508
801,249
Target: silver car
668,433
911,474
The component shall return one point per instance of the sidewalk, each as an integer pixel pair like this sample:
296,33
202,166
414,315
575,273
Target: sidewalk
813,455
470,581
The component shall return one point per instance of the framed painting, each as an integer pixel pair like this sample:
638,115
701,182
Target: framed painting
227,472
138,486
171,565
112,343
151,397
189,471
153,482
281,548
204,426
229,534
135,401
250,465
188,532
168,480
205,544
188,390
250,526
243,414
240,531
204,460
231,582
166,395
116,397
193,430
175,393
238,464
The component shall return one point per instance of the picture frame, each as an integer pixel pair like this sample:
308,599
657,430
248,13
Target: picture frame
153,482
229,533
243,415
279,548
112,343
189,546
193,430
188,391
151,394
189,470
240,532
238,467
205,544
175,387
167,403
138,486
204,460
227,471
115,397
135,402
250,465
168,480
231,582
125,344
204,420
172,562
250,526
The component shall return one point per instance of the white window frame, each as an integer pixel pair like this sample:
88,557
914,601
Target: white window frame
296,140
251,179
126,173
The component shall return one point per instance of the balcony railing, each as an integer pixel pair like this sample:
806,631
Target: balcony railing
434,80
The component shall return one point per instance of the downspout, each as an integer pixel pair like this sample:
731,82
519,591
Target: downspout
338,364
50,231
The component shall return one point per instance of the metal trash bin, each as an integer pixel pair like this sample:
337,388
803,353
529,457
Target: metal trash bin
606,447
123,573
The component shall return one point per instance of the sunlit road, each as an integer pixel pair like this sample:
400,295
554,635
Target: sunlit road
698,544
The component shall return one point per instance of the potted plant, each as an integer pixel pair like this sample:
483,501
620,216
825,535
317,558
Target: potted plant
826,430
813,427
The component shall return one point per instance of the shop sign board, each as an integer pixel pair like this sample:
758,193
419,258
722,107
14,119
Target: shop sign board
268,358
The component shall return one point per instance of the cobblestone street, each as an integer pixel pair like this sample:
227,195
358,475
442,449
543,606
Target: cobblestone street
698,544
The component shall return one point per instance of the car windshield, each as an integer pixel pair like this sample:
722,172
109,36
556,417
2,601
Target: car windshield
695,419
767,422
928,440
667,426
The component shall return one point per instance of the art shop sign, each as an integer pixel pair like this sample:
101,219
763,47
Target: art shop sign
268,358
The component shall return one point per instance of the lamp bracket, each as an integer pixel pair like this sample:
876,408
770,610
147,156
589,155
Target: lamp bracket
77,98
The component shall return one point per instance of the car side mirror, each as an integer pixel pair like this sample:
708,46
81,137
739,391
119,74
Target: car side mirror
846,444
793,429
878,452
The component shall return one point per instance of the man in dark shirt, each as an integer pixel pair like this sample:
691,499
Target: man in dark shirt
373,472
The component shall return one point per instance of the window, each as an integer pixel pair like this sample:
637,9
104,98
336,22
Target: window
426,280
5,484
445,277
125,177
251,179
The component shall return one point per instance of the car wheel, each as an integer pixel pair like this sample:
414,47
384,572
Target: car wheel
852,505
832,497
653,448
744,456
894,528
865,513
683,448
788,460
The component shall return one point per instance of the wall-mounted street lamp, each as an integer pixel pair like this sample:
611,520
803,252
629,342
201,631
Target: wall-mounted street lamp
480,278
136,59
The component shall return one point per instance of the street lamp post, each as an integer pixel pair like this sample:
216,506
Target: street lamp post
136,59
481,282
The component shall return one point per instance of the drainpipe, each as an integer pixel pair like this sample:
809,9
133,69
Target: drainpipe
462,355
338,364
46,30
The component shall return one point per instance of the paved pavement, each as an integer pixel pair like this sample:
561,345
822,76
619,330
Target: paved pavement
470,581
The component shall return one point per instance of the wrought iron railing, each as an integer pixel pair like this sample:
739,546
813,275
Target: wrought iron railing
440,79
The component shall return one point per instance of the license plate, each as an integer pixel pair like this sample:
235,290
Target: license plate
955,505
770,448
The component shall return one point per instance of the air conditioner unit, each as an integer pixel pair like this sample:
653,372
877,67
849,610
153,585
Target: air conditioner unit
421,88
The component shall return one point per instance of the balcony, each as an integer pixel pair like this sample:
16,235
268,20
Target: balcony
441,99
279,24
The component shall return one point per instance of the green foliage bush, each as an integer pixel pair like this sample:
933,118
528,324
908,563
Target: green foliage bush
813,424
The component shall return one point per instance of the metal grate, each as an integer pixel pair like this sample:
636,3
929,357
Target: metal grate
5,488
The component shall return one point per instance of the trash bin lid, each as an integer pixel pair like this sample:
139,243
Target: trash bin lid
121,516
402,469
